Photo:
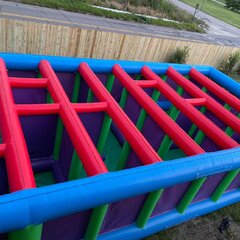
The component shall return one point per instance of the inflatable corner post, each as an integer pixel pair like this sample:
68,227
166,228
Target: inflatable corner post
103,149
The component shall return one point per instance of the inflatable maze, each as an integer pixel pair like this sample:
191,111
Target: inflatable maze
102,149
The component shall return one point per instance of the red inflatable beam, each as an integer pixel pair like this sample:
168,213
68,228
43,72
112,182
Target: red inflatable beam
207,126
143,149
28,82
2,149
90,107
212,105
20,174
196,101
37,109
220,92
180,137
91,160
147,84
45,109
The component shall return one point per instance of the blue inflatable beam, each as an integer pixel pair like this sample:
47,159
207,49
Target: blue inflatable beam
68,64
225,81
51,202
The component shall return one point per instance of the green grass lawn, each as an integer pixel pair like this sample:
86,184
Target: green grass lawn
217,10
222,1
205,227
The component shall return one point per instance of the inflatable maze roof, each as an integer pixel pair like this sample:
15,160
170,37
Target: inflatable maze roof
103,149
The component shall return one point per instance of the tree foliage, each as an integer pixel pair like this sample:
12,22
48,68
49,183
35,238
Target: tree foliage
233,5
230,62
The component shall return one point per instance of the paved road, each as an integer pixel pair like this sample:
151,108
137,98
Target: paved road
40,14
216,27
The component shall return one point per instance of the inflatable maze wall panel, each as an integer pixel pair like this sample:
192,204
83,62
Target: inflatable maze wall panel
103,149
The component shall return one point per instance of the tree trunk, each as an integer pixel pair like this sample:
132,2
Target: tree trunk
125,4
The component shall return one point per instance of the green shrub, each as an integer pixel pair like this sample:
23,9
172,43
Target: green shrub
180,55
238,69
228,64
233,5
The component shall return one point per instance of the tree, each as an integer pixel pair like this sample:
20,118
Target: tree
233,5
125,4
228,64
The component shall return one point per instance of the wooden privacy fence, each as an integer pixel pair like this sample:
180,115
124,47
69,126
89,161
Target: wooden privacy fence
41,38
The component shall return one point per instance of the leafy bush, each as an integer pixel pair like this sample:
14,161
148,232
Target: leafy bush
180,55
238,69
228,64
233,5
